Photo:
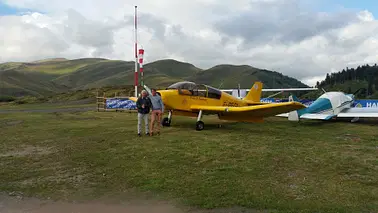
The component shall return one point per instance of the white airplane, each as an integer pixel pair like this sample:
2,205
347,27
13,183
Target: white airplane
331,105
241,93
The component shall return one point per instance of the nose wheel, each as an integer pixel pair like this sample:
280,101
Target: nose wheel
167,120
199,124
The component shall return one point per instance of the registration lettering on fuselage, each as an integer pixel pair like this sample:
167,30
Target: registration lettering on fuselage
231,104
198,98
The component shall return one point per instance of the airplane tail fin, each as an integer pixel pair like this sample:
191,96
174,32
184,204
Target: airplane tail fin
293,98
294,115
254,93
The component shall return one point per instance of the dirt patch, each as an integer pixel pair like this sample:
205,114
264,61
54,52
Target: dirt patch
19,204
16,203
5,123
27,150
349,137
228,210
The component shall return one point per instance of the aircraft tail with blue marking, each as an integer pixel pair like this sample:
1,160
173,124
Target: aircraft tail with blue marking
254,94
294,115
321,109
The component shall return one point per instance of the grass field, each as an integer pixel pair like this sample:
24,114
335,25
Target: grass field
277,165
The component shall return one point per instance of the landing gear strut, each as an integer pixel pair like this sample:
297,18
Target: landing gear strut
199,124
167,120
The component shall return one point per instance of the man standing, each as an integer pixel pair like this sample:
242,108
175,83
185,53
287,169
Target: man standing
143,105
157,111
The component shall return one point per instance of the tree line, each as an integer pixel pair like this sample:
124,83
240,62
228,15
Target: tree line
365,73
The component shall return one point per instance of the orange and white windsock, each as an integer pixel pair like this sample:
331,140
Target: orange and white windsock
141,53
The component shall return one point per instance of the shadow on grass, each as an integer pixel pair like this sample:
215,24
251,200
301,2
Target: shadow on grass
361,121
221,126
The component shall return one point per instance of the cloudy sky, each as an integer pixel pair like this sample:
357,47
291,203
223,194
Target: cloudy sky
304,39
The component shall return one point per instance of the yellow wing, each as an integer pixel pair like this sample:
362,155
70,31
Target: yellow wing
256,103
263,110
133,98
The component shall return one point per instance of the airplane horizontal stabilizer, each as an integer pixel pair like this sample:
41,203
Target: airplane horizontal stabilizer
285,115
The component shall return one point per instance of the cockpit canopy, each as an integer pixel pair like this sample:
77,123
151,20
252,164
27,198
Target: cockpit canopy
183,85
193,89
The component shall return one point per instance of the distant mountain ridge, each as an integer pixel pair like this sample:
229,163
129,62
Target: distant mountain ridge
50,76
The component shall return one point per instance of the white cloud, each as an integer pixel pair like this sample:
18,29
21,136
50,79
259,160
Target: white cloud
272,34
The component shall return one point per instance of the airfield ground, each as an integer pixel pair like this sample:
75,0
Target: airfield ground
95,157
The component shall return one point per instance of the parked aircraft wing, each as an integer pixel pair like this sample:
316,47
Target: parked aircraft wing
309,116
317,116
275,90
254,111
289,89
133,99
359,112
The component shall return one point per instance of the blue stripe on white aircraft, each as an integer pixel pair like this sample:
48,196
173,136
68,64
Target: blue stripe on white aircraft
331,105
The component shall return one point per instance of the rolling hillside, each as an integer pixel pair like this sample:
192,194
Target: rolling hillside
228,76
51,76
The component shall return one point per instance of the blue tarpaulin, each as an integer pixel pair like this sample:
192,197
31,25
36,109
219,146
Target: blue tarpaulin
120,103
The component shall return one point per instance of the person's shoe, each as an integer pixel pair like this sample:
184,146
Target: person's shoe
139,135
147,134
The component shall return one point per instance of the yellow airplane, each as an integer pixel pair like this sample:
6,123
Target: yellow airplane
195,100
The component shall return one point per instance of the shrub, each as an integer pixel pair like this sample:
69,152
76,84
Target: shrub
5,98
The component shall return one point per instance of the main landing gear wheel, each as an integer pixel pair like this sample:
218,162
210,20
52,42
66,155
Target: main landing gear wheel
166,122
200,125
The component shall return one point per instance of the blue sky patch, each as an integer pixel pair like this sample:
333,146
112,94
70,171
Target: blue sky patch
6,10
352,5
320,5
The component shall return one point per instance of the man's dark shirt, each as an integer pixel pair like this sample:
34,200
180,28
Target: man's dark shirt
147,105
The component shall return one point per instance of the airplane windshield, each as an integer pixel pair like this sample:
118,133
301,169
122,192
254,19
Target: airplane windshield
214,93
197,89
183,85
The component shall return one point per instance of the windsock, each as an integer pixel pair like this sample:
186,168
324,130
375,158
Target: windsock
141,53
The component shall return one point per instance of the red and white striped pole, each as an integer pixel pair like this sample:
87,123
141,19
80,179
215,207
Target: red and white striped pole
141,52
136,54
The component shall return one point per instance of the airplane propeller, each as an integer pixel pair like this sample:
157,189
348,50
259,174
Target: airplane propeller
239,93
147,89
360,89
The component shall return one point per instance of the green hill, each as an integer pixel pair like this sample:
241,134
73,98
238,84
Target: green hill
52,76
228,76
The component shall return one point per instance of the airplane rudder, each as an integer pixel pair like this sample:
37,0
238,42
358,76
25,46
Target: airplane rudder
296,114
293,98
293,116
258,85
256,91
